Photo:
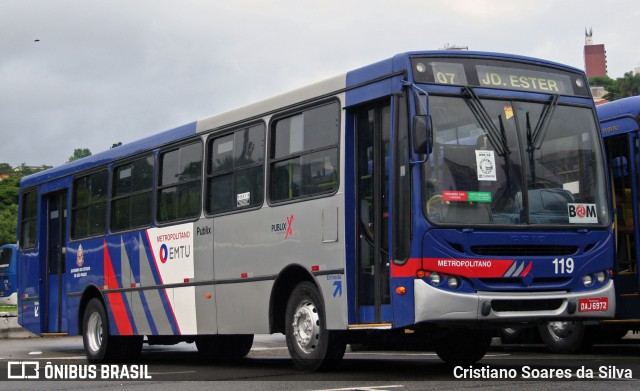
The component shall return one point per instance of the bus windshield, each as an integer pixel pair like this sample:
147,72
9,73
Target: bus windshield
505,162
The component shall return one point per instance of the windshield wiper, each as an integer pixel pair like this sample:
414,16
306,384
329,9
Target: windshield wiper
542,126
531,148
493,134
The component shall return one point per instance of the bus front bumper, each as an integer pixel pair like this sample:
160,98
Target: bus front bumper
437,305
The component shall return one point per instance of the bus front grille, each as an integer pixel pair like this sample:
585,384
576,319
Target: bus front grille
524,250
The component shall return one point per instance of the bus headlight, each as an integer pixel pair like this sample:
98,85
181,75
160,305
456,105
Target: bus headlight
453,282
587,280
434,277
600,276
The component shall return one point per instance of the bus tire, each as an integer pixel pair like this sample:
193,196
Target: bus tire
463,346
311,346
99,346
564,337
217,347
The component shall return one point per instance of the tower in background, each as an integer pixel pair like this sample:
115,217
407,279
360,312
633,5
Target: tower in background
595,57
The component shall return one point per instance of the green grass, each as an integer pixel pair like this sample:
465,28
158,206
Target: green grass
8,308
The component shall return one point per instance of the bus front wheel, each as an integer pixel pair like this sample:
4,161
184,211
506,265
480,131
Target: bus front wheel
95,325
564,336
99,345
310,344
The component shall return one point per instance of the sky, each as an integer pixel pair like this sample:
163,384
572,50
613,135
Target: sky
91,73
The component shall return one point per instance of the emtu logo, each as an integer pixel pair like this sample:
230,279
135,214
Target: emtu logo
174,252
164,253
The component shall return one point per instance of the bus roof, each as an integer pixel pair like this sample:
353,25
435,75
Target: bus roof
105,157
620,107
620,116
256,110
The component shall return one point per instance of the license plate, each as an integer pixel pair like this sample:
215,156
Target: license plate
594,304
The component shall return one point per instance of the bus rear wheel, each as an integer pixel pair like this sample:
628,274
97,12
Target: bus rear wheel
463,346
311,345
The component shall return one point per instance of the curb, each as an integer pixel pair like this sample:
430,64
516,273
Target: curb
9,327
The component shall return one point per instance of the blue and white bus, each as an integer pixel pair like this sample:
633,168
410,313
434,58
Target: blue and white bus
432,194
620,128
8,275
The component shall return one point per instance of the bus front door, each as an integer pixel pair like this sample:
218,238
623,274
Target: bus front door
372,140
622,151
55,261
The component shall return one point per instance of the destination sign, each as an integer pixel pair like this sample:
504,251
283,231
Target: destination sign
522,79
511,75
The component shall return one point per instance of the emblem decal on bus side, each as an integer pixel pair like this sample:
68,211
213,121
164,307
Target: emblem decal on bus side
284,227
173,251
80,271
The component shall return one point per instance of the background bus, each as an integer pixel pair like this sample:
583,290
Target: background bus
439,193
620,128
8,278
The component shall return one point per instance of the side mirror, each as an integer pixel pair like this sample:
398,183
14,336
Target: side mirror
422,134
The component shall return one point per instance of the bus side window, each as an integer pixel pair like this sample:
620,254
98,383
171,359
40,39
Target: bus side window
235,170
179,183
29,220
304,153
132,195
89,205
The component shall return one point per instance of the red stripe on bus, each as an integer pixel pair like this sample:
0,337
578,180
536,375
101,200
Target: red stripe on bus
115,300
471,268
409,269
527,270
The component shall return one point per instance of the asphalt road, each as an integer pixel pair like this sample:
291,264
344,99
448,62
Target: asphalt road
268,367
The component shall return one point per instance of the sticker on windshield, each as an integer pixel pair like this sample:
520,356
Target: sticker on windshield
243,199
486,165
583,214
508,112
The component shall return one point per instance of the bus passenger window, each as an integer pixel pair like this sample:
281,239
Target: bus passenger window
89,205
235,170
132,195
29,220
179,183
304,154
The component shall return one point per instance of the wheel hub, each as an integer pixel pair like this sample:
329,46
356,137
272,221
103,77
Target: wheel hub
560,329
306,327
94,331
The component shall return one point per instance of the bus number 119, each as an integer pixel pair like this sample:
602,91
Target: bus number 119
562,266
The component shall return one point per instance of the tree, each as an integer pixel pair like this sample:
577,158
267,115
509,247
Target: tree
9,189
628,85
8,224
622,87
79,153
5,168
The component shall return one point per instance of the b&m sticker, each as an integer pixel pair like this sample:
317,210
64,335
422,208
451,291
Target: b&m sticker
582,213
